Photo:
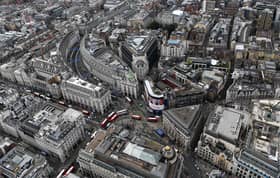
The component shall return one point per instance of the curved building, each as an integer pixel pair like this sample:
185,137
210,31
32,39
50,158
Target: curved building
107,66
153,97
140,53
65,46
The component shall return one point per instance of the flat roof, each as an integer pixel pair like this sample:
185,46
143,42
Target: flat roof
142,153
84,84
227,122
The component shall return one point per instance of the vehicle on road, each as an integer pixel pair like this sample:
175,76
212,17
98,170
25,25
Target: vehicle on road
110,118
152,119
104,123
136,117
160,132
85,112
122,112
47,98
60,173
69,171
129,100
61,103
36,94
113,118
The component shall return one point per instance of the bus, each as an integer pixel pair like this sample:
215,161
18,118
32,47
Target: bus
60,174
36,94
113,118
128,99
136,117
69,171
122,112
152,119
28,91
47,98
85,112
111,114
61,102
104,123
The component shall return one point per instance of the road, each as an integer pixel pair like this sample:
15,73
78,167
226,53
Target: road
189,167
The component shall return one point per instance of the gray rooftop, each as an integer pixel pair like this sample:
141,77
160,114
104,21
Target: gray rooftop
184,118
226,123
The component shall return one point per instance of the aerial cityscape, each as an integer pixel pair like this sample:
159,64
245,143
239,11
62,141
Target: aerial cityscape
139,88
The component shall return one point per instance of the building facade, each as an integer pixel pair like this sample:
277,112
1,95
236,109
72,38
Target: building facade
220,138
112,71
79,91
180,124
53,130
140,53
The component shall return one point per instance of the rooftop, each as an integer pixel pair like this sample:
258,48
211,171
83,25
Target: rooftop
121,149
184,118
21,162
107,57
139,43
52,123
84,84
141,15
226,123
262,148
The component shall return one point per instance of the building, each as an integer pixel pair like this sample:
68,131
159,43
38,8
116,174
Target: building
86,94
198,35
41,74
140,20
53,129
260,156
6,144
140,52
173,48
179,95
265,19
107,66
20,162
239,34
219,34
186,96
222,137
7,71
17,108
154,97
118,152
47,74
170,17
96,4
208,5
8,96
248,85
181,124
111,5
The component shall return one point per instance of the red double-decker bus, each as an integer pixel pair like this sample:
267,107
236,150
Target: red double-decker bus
85,112
136,117
113,118
152,119
110,118
104,123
